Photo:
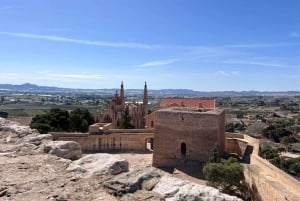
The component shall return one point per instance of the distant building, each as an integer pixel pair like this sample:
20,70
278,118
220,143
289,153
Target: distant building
113,114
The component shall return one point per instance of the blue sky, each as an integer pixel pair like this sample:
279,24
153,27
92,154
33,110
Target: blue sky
202,45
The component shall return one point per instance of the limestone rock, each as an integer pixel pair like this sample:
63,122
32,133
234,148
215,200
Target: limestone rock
37,139
132,181
174,189
26,147
11,126
142,195
100,164
3,191
64,149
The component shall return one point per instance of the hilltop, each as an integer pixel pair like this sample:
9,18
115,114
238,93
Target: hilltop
28,87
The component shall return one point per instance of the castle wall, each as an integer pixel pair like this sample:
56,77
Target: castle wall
236,146
110,141
199,131
268,182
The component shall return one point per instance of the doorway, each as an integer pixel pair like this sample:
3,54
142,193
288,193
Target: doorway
183,149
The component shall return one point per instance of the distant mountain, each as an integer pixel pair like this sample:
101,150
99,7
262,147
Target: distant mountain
28,87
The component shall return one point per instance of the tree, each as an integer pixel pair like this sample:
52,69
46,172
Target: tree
287,141
240,114
227,175
229,127
58,120
268,153
80,120
126,119
232,127
215,158
41,123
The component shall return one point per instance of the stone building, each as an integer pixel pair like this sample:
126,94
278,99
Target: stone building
113,114
195,103
182,133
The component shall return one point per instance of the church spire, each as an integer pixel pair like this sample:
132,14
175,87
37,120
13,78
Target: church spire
122,94
145,99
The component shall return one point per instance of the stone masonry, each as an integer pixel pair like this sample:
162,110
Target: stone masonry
185,134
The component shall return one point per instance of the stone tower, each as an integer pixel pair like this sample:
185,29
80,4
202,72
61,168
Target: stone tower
145,100
122,95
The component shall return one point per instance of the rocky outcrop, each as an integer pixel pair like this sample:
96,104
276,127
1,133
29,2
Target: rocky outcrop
10,126
64,149
100,164
174,189
132,181
142,195
37,139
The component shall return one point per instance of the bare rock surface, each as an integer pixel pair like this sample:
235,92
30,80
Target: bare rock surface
174,189
20,130
100,164
130,182
35,176
142,195
64,149
38,139
43,177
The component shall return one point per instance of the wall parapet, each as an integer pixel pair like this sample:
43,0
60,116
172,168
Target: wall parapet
268,181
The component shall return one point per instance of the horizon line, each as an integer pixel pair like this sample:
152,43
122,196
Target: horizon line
208,91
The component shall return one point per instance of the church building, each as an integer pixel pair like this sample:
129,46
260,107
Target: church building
113,114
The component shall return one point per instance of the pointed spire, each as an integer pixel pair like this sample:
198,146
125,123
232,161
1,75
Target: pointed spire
122,94
145,100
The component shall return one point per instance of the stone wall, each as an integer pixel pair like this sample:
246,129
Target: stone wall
109,141
236,146
267,181
195,132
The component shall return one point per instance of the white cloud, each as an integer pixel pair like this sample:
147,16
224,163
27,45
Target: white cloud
295,34
144,45
263,45
228,74
83,42
260,61
223,73
76,76
159,63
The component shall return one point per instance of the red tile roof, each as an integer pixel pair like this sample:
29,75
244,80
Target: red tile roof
188,102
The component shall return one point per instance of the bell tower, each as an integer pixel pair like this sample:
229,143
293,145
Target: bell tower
122,95
145,100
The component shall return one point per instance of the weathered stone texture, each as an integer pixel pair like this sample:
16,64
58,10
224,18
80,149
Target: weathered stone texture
64,149
116,140
100,164
197,131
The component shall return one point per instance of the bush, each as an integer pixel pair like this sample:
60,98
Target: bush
268,153
227,175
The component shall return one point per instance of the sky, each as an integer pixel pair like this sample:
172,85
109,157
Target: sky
204,45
